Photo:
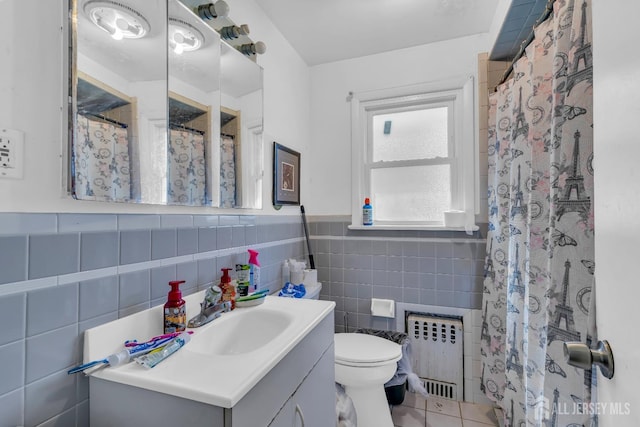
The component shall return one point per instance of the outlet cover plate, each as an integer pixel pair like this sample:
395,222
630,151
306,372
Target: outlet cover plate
11,153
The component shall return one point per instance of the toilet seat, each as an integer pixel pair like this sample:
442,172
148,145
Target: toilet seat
363,350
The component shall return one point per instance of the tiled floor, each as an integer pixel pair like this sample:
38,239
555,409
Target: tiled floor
415,411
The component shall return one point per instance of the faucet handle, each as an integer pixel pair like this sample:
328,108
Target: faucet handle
212,296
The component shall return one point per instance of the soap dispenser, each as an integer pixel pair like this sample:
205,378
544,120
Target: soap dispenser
228,289
175,310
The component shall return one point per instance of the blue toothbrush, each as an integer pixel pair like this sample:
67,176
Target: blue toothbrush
82,367
123,356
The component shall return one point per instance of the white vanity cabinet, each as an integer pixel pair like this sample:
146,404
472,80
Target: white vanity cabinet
304,378
298,390
308,407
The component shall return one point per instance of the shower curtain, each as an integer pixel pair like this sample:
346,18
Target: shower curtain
186,180
227,172
540,250
101,161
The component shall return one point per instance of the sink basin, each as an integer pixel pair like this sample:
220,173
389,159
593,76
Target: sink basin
241,334
223,360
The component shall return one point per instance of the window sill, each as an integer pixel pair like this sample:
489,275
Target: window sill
410,227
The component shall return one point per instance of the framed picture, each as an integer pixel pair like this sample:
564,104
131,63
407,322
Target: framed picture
286,176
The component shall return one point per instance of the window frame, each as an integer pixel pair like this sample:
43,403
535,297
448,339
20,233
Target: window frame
458,95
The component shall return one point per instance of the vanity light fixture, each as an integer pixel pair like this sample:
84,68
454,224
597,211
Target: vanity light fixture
212,11
250,49
117,19
234,31
184,37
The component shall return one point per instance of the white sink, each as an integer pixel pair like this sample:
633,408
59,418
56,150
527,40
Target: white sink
247,332
224,359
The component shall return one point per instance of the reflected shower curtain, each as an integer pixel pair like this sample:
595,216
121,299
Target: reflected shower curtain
101,161
186,180
540,248
227,172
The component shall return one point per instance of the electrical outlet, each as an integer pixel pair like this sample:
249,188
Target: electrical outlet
11,153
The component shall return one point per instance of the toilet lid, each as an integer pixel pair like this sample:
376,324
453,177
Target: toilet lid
365,349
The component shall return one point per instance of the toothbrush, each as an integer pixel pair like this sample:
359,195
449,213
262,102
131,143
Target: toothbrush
134,342
255,295
123,356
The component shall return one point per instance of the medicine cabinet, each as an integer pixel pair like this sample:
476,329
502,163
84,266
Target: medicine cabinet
161,111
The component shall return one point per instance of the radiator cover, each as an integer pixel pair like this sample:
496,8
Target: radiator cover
437,353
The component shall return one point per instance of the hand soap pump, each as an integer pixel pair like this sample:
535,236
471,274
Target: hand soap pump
254,274
228,290
175,310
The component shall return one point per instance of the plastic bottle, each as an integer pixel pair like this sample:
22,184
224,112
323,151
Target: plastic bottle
228,289
254,274
286,272
367,213
297,272
243,275
175,310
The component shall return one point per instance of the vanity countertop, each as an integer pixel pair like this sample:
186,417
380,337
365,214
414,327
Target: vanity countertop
215,367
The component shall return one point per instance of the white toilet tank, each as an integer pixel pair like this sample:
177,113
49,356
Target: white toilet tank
313,291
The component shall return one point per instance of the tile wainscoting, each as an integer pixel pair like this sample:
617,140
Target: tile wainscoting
64,273
429,271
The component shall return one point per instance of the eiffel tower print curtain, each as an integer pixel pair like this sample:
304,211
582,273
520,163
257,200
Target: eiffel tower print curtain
540,249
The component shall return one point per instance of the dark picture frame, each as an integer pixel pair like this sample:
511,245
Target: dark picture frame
286,175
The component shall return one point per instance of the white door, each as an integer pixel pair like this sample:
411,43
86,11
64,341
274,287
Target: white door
616,84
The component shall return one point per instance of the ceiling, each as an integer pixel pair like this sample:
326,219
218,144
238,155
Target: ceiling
332,30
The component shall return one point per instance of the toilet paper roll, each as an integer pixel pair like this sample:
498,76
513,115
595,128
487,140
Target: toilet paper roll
383,307
310,277
454,218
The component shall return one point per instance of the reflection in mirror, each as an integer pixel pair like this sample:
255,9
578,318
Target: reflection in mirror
138,134
118,86
241,146
194,109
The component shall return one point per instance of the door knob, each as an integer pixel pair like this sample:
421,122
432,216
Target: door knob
581,356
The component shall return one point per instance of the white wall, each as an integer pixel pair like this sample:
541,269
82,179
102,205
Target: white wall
32,93
330,111
616,84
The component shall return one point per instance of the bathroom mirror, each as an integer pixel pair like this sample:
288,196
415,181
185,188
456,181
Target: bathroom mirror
241,144
193,155
148,108
118,83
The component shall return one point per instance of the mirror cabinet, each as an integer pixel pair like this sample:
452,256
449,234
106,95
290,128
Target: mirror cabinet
162,111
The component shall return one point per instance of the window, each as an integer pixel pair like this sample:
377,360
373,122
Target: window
414,155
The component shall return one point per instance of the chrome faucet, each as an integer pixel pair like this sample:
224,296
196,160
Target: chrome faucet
211,308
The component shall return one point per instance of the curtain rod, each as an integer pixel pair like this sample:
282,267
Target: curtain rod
178,126
107,120
547,11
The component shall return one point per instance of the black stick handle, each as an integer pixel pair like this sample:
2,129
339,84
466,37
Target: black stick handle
312,265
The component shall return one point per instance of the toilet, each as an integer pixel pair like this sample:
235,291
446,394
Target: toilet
364,363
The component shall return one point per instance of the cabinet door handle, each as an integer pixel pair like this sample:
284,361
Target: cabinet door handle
299,412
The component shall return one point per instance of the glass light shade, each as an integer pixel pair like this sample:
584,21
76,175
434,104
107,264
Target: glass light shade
117,19
183,37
